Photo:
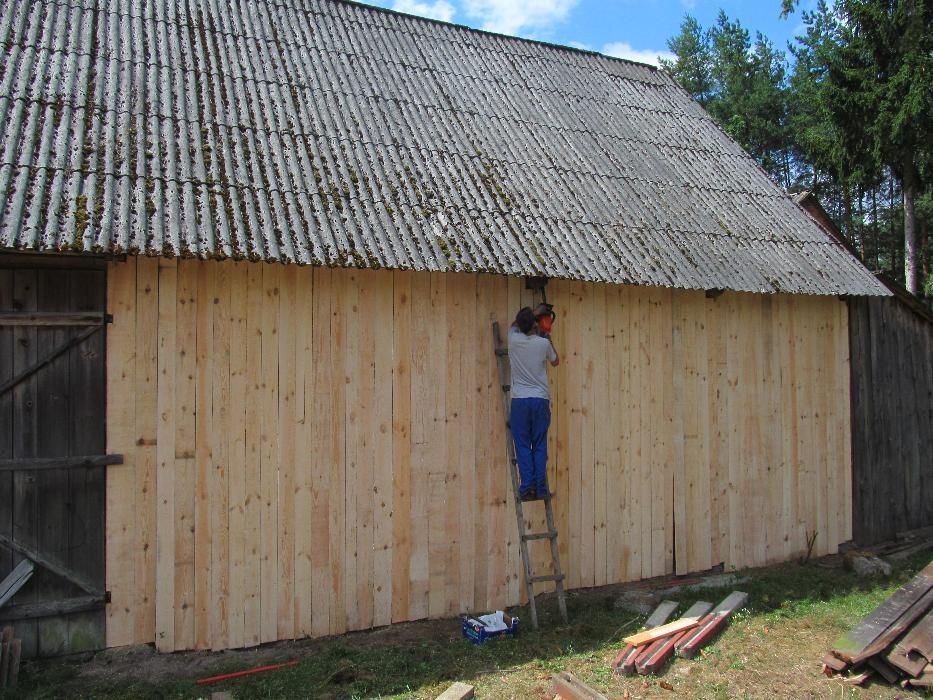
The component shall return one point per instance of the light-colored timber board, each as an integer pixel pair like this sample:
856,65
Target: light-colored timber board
165,458
204,397
220,464
185,446
630,346
121,423
236,446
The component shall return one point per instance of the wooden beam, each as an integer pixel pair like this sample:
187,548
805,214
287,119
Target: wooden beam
39,463
625,661
458,691
914,649
711,625
863,636
54,318
16,580
662,631
56,568
569,687
60,350
51,608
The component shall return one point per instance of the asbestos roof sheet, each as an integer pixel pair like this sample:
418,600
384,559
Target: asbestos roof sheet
329,133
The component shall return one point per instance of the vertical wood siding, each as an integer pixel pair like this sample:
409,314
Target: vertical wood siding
892,415
311,451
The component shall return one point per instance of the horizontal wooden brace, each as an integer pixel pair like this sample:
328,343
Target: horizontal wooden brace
76,462
54,318
51,608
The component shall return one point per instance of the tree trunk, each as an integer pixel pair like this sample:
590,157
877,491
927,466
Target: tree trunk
911,252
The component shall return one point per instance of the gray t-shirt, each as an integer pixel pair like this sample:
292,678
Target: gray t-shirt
529,355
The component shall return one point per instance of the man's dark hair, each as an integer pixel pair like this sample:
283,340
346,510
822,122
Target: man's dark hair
525,319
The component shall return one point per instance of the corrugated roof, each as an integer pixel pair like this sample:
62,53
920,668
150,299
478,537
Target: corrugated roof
326,132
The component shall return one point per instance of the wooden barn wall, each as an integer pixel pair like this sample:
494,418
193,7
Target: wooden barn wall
892,419
315,451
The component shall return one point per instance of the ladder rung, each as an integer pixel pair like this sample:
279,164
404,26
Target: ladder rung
549,577
541,535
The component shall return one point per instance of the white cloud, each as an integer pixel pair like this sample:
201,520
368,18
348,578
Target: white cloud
622,49
512,16
688,4
441,9
580,45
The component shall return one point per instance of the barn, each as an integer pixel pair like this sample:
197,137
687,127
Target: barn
251,253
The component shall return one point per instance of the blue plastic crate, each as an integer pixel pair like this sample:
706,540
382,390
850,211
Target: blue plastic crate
475,631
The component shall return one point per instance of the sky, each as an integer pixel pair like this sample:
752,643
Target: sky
633,29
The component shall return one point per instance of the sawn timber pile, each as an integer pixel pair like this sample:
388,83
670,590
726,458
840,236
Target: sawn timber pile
894,642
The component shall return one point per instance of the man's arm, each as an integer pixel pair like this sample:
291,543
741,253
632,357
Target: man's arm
556,360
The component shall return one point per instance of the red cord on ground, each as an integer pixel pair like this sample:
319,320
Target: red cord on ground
240,674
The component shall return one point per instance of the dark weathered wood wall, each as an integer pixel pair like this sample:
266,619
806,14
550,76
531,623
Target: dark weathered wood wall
892,418
56,412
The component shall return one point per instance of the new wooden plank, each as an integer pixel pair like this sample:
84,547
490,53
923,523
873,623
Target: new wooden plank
662,631
633,506
771,433
349,370
146,430
269,453
121,424
500,517
456,435
185,445
717,406
401,444
487,455
603,434
862,637
218,484
337,458
435,466
382,319
574,359
614,429
165,458
587,356
252,505
285,483
822,365
785,346
665,443
323,416
236,445
558,292
466,421
304,475
514,589
681,347
205,292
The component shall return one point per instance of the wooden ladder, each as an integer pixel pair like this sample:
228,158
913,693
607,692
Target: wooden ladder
502,354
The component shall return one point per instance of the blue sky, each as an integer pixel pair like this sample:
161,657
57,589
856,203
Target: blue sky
636,29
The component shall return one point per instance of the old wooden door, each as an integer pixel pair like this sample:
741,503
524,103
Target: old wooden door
52,445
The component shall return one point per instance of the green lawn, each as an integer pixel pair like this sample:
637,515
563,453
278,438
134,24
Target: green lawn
771,649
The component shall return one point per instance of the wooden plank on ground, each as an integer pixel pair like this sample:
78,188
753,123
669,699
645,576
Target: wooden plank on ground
915,649
924,680
662,631
863,637
624,661
655,655
833,664
569,687
884,669
458,691
711,625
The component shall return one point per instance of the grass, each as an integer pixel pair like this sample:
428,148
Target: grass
771,649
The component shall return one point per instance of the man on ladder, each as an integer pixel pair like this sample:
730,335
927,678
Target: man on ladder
530,415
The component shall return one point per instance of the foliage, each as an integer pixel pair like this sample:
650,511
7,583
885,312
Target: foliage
844,113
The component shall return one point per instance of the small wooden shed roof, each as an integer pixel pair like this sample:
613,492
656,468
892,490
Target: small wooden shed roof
330,133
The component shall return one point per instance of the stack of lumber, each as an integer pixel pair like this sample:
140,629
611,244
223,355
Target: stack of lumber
650,649
10,650
895,641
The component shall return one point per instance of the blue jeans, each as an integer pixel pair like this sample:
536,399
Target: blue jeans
529,420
